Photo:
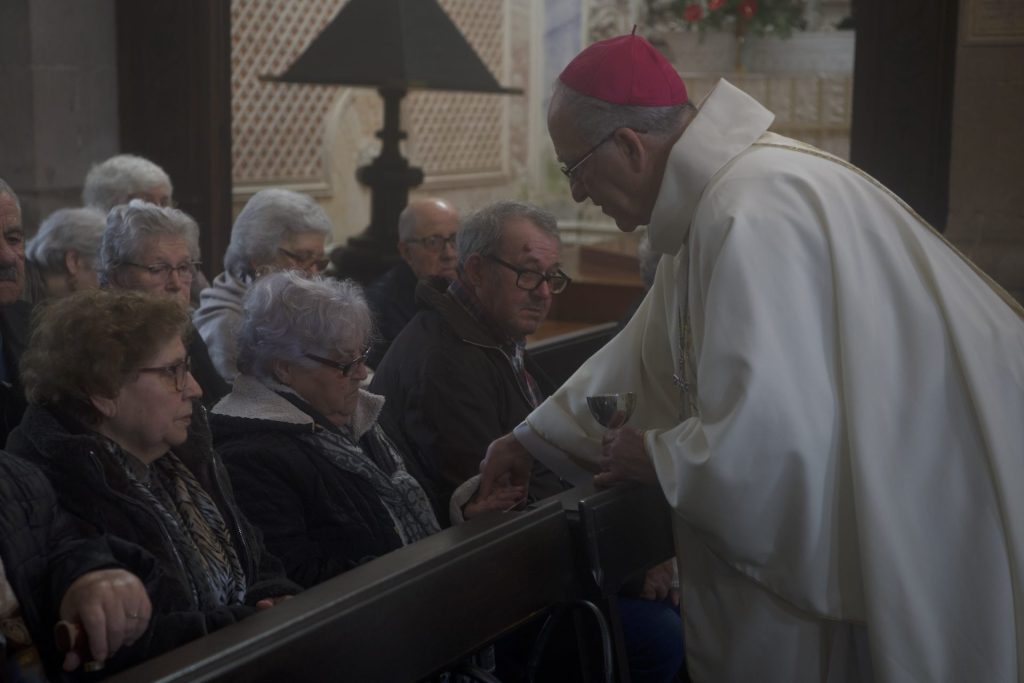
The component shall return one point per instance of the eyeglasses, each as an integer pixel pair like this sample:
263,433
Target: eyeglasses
178,371
433,243
306,260
345,368
568,169
185,271
531,279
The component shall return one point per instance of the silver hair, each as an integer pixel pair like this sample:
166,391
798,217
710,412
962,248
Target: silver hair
64,230
131,225
480,233
115,180
596,118
7,190
263,223
288,315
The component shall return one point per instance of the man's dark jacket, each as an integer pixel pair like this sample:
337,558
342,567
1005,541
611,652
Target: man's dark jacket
67,453
392,298
453,391
14,327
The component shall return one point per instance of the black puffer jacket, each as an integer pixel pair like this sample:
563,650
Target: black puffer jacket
320,519
453,391
67,454
392,298
43,552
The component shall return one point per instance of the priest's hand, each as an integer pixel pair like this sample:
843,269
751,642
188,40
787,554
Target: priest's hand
507,463
624,459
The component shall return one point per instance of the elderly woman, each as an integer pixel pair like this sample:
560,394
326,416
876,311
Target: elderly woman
277,229
113,424
310,464
152,249
61,257
125,177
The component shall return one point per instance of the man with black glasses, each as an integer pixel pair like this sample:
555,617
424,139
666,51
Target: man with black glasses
458,375
426,242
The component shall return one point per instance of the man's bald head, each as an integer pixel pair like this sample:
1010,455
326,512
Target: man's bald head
426,232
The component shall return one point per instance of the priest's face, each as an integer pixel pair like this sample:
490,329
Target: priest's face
607,171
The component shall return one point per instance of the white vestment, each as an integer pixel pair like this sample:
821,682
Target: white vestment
849,497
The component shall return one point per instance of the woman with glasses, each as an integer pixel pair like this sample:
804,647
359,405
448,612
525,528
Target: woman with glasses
310,463
114,424
276,230
153,249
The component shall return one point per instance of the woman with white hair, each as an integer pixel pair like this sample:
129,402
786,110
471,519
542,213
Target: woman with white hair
125,177
61,257
153,249
276,230
310,464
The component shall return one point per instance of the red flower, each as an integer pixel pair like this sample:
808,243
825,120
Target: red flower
714,4
747,9
692,12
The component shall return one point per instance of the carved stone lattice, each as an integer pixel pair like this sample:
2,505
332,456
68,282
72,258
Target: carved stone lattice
458,134
276,129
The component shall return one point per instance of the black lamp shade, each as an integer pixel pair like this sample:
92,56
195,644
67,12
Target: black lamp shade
393,44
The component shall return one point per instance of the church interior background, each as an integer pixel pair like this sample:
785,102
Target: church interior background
60,112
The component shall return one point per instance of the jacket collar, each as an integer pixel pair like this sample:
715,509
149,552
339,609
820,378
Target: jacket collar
729,122
434,293
252,399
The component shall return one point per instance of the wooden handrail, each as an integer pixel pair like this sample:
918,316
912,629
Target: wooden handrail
410,613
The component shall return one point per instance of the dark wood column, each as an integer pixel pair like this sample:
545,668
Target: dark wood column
903,98
174,80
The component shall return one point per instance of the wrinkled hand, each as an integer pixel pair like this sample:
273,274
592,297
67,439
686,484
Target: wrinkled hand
659,583
113,608
267,603
624,459
507,463
499,499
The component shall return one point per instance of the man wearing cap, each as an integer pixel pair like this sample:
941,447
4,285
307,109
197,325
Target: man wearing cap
828,395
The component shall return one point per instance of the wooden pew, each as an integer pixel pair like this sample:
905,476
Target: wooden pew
411,613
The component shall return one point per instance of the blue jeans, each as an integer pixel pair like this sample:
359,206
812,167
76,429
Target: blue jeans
653,631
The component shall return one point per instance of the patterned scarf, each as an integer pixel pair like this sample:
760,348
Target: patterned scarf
375,459
196,528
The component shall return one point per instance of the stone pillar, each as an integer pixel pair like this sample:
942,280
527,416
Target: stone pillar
58,99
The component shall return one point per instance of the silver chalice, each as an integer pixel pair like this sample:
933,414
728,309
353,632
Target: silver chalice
612,409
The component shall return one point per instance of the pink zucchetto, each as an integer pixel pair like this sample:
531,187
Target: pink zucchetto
625,70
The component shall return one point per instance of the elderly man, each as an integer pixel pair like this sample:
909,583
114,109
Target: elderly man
153,249
61,256
829,396
426,242
458,376
14,313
